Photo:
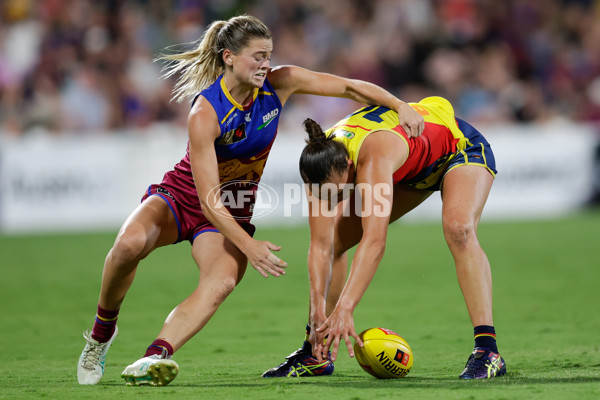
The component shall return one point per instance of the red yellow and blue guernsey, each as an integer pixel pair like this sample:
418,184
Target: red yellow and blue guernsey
446,142
242,148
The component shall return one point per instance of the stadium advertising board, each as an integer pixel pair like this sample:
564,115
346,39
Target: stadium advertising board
52,183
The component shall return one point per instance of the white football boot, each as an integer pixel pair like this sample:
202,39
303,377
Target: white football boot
153,370
90,367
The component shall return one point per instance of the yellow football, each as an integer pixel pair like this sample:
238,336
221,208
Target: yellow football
385,354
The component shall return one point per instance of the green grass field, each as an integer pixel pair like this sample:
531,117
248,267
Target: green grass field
546,284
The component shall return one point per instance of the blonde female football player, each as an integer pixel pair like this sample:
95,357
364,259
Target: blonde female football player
232,125
368,152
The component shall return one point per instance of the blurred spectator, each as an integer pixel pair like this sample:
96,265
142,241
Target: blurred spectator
87,66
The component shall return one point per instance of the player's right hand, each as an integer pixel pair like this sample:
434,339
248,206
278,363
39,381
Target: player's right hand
264,261
338,327
410,120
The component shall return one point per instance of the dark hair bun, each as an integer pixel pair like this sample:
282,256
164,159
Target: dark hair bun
314,130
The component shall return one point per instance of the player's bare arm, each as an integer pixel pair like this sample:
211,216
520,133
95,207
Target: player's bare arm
288,80
380,158
320,256
203,130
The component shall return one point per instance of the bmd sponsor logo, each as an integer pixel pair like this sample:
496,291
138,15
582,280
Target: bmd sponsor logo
268,118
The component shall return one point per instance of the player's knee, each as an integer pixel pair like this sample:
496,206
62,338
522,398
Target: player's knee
223,289
129,246
459,233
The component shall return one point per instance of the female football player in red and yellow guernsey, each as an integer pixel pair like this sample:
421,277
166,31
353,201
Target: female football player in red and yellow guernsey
369,153
232,125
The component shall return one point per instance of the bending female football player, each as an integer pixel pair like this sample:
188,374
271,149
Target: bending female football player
369,152
232,125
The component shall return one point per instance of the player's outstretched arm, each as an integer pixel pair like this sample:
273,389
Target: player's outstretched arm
288,80
320,256
374,178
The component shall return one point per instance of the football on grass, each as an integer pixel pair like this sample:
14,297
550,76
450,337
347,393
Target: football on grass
385,354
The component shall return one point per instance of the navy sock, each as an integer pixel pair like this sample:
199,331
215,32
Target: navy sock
307,332
485,336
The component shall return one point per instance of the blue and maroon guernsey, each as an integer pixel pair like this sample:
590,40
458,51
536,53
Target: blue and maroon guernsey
247,135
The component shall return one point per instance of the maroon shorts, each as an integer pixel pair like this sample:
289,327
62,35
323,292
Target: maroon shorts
190,218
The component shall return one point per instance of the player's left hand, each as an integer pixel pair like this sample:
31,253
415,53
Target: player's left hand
410,120
317,319
263,260
339,325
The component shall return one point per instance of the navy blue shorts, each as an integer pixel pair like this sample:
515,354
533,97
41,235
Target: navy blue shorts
478,151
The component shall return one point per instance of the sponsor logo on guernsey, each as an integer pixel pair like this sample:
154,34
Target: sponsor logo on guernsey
230,120
234,135
344,133
247,118
268,118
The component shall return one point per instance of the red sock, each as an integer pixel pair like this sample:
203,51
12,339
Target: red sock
104,326
157,348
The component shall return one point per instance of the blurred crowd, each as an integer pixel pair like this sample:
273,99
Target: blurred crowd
87,66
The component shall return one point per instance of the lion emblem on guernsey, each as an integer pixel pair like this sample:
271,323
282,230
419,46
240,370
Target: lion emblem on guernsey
244,169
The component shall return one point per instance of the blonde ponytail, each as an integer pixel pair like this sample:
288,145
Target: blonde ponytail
199,68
